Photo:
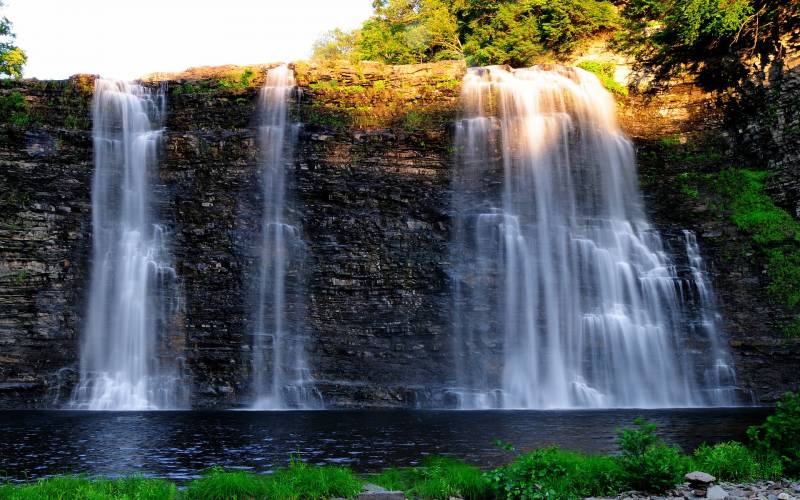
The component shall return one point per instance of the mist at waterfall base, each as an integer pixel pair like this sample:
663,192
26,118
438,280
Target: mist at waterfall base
126,362
564,295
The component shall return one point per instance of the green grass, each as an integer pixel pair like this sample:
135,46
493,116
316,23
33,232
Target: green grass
437,478
80,487
732,461
299,480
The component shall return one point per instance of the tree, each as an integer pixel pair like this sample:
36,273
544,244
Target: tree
336,44
12,58
722,42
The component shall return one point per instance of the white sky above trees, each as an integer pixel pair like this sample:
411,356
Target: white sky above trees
127,39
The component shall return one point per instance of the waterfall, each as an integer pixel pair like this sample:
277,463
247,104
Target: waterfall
281,377
564,295
132,326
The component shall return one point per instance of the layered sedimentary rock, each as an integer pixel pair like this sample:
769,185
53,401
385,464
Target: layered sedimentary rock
372,184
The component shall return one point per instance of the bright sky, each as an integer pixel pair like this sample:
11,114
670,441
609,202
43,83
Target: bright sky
127,39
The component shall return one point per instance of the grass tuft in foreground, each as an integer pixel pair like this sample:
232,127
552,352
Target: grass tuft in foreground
80,487
298,481
437,478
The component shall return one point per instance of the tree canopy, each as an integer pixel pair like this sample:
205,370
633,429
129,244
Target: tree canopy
12,58
721,41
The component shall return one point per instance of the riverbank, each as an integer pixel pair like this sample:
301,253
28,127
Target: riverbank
444,479
645,463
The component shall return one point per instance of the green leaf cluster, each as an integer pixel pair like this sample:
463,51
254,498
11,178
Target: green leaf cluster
519,33
12,58
775,232
722,42
779,436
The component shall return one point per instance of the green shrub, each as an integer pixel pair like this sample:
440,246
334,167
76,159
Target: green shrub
14,109
779,436
732,461
437,478
604,71
648,463
553,473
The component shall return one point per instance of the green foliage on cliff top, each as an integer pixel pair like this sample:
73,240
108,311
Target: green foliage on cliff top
721,41
515,32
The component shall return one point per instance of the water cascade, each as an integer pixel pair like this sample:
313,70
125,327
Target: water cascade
564,294
281,378
132,325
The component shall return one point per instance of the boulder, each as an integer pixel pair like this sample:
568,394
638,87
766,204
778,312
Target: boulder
716,493
699,478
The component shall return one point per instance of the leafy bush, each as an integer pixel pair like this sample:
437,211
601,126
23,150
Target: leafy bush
14,109
732,461
437,478
648,463
553,473
779,436
604,71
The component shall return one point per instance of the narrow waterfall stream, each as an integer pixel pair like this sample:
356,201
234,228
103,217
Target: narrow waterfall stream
280,374
564,295
131,325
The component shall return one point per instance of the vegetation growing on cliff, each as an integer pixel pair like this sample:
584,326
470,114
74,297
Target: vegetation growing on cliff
740,195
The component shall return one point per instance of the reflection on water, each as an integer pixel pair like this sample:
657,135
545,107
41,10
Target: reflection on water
179,445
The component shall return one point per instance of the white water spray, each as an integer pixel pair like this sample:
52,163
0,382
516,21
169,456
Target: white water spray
127,359
281,378
564,296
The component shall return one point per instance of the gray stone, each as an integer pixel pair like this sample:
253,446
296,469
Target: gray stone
698,477
373,488
716,493
382,495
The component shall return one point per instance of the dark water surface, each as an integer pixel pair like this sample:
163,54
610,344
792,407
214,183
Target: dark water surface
179,445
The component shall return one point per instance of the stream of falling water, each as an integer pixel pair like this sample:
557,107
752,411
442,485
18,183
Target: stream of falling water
281,378
132,326
564,295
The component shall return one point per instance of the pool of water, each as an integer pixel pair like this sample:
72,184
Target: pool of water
180,445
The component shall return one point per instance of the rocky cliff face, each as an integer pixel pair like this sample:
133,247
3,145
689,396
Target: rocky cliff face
372,184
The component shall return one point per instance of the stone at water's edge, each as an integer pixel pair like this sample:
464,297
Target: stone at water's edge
699,478
716,493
